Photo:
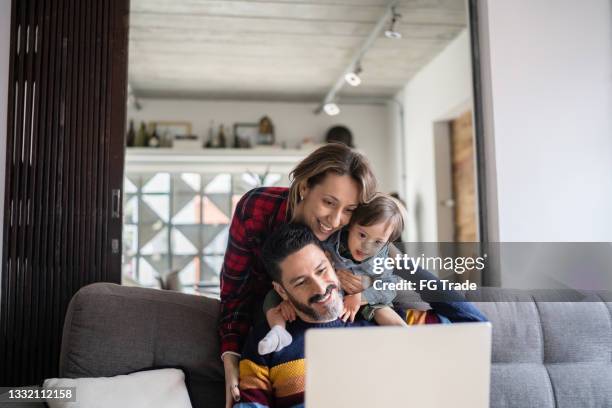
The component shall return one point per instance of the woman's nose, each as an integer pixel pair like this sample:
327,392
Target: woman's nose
336,219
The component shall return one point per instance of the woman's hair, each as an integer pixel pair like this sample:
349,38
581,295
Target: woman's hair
381,208
332,158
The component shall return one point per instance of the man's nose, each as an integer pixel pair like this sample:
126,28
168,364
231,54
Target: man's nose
320,285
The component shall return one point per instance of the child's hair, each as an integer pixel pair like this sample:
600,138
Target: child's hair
381,208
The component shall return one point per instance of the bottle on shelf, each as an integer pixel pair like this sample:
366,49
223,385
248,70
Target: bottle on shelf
154,140
141,136
221,140
211,135
131,135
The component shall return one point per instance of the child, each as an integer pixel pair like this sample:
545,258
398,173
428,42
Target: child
354,248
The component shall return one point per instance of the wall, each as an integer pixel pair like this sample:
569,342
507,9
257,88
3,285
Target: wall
5,37
440,91
292,121
550,122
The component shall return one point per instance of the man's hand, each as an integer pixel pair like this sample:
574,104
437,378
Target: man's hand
232,392
351,306
351,284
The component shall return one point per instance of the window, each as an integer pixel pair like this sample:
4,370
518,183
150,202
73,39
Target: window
179,223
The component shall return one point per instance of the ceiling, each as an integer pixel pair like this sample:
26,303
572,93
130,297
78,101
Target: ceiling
280,49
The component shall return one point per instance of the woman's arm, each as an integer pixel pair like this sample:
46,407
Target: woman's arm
236,301
236,292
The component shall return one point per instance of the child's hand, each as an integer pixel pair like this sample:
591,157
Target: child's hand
287,310
275,317
350,283
351,306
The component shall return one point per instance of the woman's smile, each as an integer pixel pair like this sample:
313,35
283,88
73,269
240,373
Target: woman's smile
325,229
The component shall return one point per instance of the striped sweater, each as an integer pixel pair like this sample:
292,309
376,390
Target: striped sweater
277,379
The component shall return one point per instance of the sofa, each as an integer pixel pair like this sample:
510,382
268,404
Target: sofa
544,354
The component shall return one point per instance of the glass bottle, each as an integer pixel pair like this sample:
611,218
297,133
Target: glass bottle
141,137
131,135
154,140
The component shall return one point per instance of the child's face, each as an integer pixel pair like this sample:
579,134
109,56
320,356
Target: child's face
365,242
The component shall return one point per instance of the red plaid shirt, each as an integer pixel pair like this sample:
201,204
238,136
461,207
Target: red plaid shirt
243,276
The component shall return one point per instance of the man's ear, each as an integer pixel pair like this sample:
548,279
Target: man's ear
280,290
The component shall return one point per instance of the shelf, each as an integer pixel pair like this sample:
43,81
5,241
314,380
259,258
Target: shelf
213,160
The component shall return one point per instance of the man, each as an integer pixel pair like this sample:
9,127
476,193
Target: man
303,275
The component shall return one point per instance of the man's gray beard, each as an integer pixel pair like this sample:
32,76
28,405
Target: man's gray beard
332,310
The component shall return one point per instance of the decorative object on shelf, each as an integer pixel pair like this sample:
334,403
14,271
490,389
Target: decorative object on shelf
245,134
339,134
265,134
221,140
211,135
186,142
131,135
168,130
216,140
141,137
154,140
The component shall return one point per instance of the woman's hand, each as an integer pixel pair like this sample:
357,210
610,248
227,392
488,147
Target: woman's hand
351,306
351,284
232,392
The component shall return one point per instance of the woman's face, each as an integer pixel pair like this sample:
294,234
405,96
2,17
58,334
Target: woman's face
328,206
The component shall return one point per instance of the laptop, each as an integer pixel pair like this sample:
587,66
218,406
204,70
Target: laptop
429,366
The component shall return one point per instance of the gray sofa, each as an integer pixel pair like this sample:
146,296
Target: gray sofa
544,354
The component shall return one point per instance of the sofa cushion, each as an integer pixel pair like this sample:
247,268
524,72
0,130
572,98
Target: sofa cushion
164,388
547,352
520,385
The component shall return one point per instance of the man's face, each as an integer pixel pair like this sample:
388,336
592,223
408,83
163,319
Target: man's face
310,283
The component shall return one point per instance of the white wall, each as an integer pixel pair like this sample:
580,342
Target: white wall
5,38
440,91
292,121
550,65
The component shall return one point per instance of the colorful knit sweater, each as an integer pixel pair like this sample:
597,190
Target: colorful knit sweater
277,379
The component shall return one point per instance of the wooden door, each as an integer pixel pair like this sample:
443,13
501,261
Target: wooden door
64,169
464,179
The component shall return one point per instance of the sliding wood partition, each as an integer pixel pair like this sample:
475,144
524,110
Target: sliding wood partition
64,169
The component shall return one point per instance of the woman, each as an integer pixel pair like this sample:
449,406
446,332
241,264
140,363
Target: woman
326,188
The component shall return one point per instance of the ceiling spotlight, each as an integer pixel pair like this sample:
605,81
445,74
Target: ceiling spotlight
391,33
352,78
331,109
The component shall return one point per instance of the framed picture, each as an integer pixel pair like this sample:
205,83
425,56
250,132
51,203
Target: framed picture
246,134
171,128
265,133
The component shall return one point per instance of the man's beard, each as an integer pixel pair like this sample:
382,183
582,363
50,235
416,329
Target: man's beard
331,311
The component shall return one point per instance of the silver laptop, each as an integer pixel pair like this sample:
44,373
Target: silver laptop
429,366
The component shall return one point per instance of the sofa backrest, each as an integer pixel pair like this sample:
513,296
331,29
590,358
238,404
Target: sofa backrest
548,354
112,330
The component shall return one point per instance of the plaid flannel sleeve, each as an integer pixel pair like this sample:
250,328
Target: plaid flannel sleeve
236,296
255,211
